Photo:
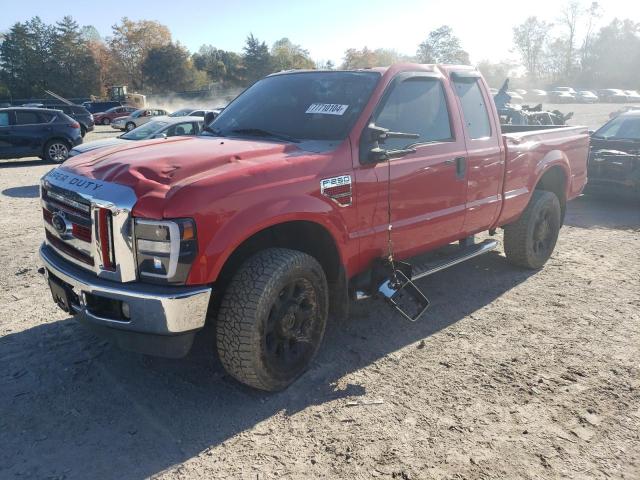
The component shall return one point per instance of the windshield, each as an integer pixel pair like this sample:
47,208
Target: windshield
621,128
298,106
145,131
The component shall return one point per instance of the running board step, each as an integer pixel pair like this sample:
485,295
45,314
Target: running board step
403,295
421,270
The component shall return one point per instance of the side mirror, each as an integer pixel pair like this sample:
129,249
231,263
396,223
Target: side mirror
374,136
160,135
591,132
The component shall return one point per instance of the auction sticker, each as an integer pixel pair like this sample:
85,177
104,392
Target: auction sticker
327,108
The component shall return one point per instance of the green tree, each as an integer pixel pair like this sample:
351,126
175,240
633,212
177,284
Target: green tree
75,72
25,58
168,68
256,58
220,65
289,56
529,39
131,42
442,46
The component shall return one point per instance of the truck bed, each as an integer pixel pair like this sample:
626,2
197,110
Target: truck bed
530,151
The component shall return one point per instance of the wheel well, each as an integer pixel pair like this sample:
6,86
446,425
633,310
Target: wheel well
308,237
555,180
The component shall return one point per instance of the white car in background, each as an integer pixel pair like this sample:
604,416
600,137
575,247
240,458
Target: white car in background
586,96
137,118
160,127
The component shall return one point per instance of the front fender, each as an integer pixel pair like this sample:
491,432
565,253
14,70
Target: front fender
245,223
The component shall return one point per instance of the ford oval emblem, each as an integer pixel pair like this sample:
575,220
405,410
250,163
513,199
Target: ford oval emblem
59,223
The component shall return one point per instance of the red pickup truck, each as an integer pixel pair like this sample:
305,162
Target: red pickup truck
292,202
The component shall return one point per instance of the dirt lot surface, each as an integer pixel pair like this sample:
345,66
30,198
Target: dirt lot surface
511,374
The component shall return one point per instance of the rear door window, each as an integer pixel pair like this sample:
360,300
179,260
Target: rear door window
4,119
29,118
416,105
474,108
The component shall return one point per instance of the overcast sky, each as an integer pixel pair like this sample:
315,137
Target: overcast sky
325,27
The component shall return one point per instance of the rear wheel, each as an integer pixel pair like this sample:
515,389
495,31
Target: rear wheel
56,151
272,318
106,121
83,131
529,242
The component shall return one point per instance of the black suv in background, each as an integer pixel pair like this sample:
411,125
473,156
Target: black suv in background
95,107
40,132
77,112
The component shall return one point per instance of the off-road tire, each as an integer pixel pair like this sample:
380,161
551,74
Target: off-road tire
523,244
245,318
53,146
129,126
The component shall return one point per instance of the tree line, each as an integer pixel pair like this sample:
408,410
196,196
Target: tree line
75,61
551,52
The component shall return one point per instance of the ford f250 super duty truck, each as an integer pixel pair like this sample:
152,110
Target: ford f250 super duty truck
310,189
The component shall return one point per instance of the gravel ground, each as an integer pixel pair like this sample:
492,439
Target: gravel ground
511,374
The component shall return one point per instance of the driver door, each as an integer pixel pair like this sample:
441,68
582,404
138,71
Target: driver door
427,188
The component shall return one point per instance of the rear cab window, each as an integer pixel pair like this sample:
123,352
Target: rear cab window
474,107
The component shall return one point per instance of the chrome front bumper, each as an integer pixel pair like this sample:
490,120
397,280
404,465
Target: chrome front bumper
154,309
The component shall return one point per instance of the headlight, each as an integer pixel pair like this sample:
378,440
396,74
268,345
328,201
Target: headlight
165,249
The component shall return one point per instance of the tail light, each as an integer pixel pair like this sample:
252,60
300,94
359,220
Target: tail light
74,125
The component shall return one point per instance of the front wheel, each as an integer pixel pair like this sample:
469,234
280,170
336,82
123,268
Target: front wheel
529,242
129,126
272,318
106,121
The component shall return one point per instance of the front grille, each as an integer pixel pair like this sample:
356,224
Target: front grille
89,223
68,249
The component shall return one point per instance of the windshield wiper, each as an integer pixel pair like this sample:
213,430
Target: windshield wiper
265,133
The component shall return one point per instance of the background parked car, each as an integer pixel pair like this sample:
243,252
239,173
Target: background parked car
95,107
190,112
537,95
157,128
612,95
561,96
105,118
632,95
137,118
48,134
77,112
586,96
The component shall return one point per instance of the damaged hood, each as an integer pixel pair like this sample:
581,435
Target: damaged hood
158,169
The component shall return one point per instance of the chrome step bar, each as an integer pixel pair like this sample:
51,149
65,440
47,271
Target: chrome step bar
426,268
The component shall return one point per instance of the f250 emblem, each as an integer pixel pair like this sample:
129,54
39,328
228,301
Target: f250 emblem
337,189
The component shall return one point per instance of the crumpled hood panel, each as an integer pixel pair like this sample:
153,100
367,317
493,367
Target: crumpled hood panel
156,166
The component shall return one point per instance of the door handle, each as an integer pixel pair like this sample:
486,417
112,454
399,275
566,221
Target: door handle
461,167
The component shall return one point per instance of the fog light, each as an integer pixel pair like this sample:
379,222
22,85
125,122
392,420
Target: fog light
125,311
157,263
